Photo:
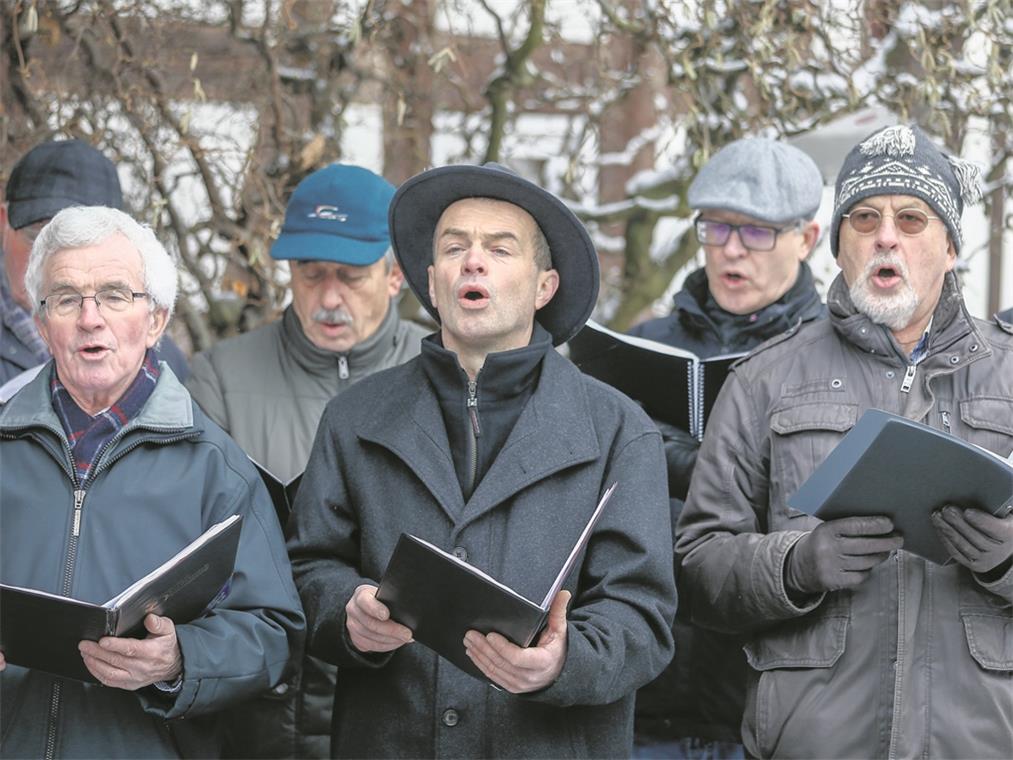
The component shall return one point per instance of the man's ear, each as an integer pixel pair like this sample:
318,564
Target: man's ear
951,254
158,320
395,279
810,235
548,284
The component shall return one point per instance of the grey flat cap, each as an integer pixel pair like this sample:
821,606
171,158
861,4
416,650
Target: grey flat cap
765,179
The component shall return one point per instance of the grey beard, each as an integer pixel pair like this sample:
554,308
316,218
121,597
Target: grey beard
333,316
893,311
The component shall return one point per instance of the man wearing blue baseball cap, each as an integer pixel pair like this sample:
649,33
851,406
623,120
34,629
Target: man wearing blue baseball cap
268,388
755,201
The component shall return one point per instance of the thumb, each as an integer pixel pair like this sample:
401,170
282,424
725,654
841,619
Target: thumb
157,625
555,626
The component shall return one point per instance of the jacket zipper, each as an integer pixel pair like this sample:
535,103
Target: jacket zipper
343,366
909,378
476,432
946,420
71,560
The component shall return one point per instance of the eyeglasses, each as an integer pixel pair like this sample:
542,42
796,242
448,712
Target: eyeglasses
755,237
68,304
910,221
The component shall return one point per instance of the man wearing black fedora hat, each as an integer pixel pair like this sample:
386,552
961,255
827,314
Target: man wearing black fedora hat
495,448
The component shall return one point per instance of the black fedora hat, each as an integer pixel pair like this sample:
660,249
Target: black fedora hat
421,200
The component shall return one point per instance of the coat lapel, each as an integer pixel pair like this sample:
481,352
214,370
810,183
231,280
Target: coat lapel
553,432
420,441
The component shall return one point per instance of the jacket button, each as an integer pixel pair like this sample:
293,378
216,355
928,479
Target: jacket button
954,359
461,553
450,717
280,689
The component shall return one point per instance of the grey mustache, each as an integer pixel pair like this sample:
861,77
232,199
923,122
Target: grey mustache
333,316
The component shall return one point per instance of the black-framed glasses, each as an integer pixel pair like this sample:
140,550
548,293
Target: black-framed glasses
70,303
755,237
866,220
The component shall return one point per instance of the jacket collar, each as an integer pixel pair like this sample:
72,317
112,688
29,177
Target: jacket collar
168,407
954,333
697,309
554,431
361,357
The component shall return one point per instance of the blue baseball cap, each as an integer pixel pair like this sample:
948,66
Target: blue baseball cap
339,214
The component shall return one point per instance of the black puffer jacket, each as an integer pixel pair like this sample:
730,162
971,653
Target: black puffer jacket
701,693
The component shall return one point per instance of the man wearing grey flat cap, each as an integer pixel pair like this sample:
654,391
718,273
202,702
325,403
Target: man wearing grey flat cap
755,201
493,447
856,647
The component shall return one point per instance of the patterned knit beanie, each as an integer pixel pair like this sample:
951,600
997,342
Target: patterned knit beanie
902,160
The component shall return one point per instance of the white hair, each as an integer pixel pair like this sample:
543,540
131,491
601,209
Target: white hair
82,226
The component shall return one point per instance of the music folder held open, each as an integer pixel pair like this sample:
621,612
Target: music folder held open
441,597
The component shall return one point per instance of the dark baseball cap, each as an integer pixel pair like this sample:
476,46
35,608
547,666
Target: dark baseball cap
339,214
57,174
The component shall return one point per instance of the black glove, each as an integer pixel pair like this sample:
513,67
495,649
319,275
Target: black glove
680,454
977,540
839,554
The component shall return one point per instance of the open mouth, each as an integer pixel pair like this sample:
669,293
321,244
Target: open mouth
472,295
886,276
93,351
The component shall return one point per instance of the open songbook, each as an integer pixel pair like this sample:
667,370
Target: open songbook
441,597
41,630
673,385
893,466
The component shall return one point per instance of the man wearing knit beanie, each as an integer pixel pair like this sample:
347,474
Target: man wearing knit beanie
857,647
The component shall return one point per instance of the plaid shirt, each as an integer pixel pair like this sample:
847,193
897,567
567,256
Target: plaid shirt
88,435
19,320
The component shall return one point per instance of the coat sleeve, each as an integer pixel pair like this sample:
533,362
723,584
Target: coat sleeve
240,647
733,568
206,389
323,544
619,633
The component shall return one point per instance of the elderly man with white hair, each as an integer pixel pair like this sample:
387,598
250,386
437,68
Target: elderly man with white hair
109,470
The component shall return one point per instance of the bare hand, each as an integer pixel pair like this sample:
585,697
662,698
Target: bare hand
519,669
840,553
131,664
369,625
977,540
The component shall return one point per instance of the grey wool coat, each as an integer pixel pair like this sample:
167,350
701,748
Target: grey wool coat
381,465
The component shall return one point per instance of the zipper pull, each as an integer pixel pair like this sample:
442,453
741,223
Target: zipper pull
342,367
78,503
473,407
946,421
909,378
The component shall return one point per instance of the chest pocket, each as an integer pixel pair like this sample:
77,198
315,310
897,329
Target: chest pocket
802,435
988,422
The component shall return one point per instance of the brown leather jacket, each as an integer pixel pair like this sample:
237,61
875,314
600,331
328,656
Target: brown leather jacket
916,661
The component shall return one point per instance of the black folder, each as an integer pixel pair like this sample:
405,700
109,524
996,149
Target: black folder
893,466
41,630
440,597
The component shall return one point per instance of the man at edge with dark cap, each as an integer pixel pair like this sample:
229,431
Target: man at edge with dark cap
50,177
494,447
856,647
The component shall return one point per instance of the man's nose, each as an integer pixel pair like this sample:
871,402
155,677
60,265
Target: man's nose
90,317
733,247
475,260
887,236
332,296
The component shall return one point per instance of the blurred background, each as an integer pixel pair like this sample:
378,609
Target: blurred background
215,110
